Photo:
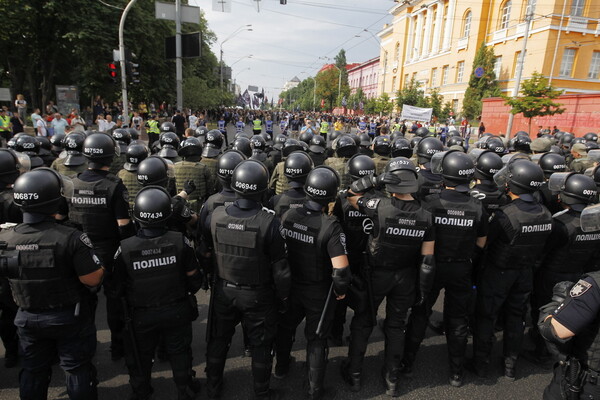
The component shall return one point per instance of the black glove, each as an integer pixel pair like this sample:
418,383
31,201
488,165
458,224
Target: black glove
364,184
560,292
426,277
189,187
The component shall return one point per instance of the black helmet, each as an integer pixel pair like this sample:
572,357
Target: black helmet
201,131
250,178
456,141
455,167
522,176
427,148
487,163
592,145
401,148
155,170
29,145
365,140
167,127
190,146
558,135
415,141
361,165
258,142
551,163
306,137
334,135
267,137
45,145
345,146
73,145
227,163
99,149
57,141
382,146
243,134
422,132
574,189
12,164
354,137
322,185
290,146
594,173
133,134
135,154
297,166
521,143
396,135
591,137
169,139
152,206
317,144
497,146
40,190
212,143
122,137
280,141
566,139
242,144
400,176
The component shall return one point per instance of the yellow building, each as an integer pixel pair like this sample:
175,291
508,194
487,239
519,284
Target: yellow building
435,42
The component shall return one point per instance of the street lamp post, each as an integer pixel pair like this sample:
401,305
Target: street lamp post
122,61
238,30
236,75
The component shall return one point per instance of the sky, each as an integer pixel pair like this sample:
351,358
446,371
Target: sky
294,39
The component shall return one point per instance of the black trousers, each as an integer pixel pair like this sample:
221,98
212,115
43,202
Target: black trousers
170,324
455,278
556,389
502,289
398,288
256,309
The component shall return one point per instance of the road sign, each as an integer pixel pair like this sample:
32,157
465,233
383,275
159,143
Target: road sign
189,14
252,88
191,46
222,6
479,71
5,94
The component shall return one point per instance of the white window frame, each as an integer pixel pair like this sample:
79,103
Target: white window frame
505,14
594,72
460,71
577,7
445,74
567,63
433,76
467,27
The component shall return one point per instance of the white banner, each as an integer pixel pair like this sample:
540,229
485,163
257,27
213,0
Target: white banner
413,113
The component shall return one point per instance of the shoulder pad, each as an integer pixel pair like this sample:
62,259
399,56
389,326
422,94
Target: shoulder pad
86,240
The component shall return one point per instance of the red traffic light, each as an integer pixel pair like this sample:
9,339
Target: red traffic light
112,70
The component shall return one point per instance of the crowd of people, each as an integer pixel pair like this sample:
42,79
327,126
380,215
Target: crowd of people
296,226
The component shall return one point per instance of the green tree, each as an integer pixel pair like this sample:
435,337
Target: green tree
481,87
327,86
411,95
341,63
536,99
435,101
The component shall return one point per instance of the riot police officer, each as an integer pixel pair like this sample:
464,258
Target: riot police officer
157,171
134,155
275,153
517,234
12,164
169,146
100,207
400,147
345,147
51,322
580,162
569,250
429,183
317,256
122,139
210,154
29,146
460,231
550,164
357,227
74,162
252,274
297,167
259,147
316,150
160,274
487,163
382,149
400,257
192,169
278,181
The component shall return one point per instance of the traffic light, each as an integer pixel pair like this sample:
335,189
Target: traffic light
113,72
132,72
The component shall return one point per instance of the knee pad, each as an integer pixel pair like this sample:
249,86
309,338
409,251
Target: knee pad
34,385
82,383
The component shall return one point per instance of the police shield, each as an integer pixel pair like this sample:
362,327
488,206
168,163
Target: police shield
436,162
590,219
23,161
594,155
502,177
557,181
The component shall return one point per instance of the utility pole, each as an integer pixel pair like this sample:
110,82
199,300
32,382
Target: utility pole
520,65
122,61
178,63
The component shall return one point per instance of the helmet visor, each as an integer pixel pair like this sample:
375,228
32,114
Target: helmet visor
594,155
68,188
502,177
475,154
557,181
170,168
436,162
23,162
117,149
590,218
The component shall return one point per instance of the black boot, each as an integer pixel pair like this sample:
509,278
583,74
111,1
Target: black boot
214,380
391,381
316,356
510,364
351,378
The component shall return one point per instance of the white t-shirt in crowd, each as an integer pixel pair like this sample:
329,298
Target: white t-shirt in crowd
40,126
193,122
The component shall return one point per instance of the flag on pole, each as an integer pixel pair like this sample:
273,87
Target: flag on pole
247,99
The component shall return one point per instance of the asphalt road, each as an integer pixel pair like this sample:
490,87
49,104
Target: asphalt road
429,381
